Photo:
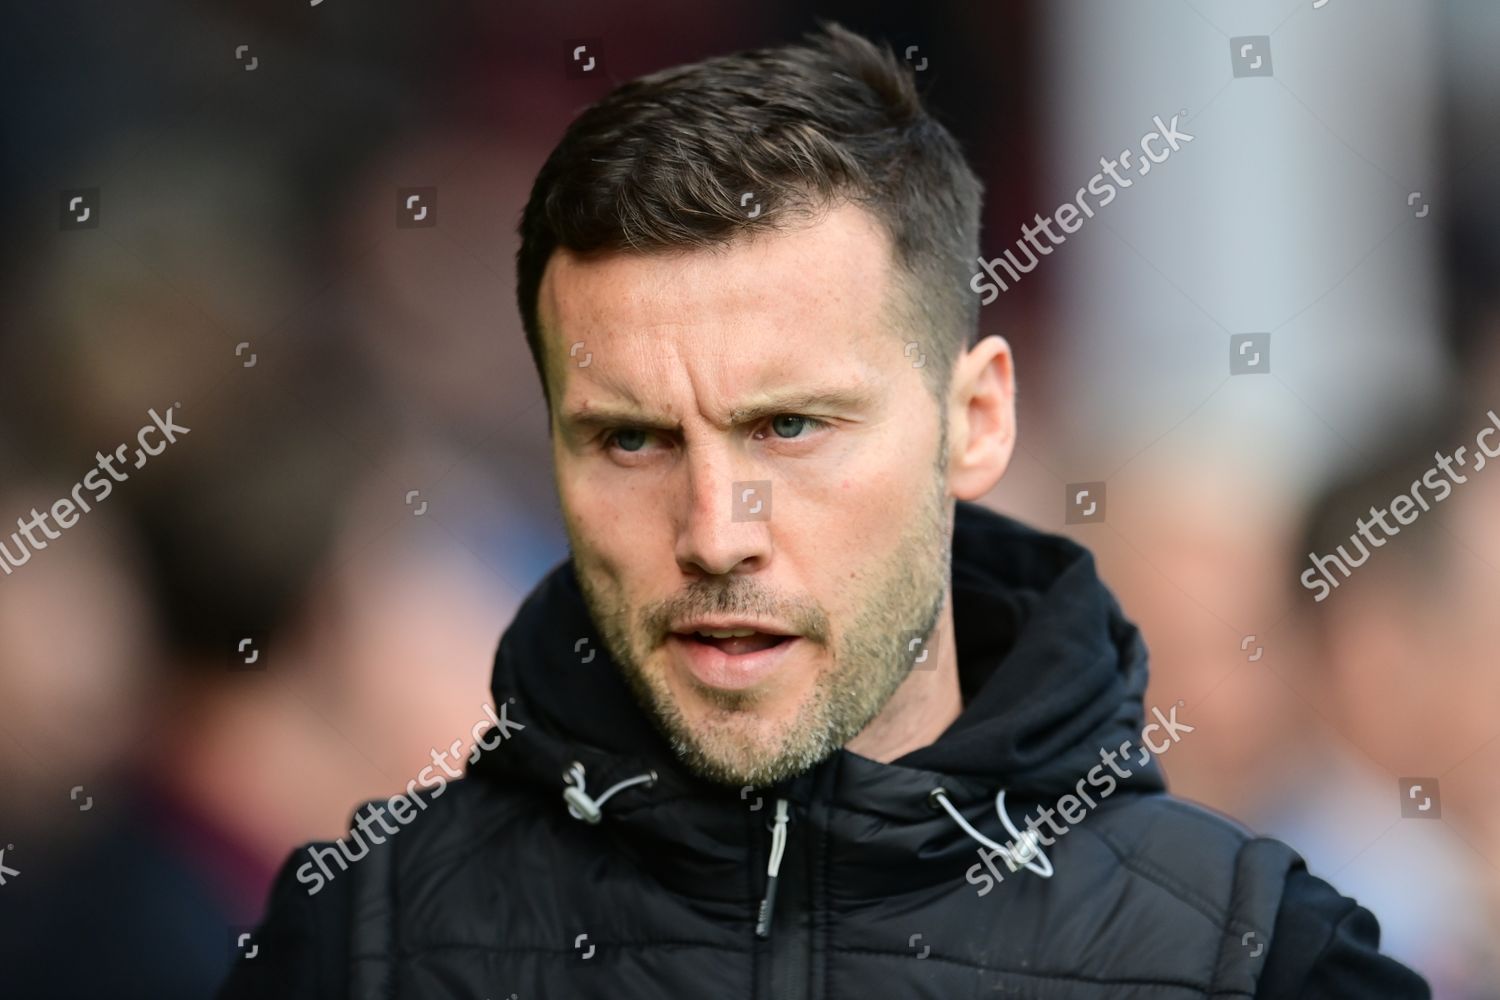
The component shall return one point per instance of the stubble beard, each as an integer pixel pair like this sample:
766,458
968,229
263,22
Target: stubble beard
871,658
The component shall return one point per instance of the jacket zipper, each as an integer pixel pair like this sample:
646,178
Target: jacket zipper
787,955
773,872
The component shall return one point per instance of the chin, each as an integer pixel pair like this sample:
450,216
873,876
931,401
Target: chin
734,738
740,748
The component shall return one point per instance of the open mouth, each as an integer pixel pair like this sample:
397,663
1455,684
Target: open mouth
737,642
732,658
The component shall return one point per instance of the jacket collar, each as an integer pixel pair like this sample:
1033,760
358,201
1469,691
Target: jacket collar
1051,673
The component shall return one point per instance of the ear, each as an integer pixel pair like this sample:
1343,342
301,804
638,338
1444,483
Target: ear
981,418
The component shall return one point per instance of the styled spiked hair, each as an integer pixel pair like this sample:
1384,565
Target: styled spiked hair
662,162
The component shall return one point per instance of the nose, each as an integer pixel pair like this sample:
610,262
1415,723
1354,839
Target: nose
727,525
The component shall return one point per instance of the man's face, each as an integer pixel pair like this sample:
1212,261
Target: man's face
770,365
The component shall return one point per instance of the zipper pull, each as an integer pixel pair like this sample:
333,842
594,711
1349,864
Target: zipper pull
773,870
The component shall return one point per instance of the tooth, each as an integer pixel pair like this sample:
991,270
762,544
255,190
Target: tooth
726,633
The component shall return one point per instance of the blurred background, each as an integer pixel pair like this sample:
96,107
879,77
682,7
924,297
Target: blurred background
207,214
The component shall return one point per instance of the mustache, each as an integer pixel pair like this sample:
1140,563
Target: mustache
741,597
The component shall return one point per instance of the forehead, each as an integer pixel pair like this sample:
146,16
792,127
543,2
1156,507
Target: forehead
822,283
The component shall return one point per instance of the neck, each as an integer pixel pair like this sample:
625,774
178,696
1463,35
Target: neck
923,707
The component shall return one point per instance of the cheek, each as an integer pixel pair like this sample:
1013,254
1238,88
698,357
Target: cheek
871,502
593,508
872,469
616,538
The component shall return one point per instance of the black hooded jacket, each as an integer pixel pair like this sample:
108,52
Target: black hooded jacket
500,887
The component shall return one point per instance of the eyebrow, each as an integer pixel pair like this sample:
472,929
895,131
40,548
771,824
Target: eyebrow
852,397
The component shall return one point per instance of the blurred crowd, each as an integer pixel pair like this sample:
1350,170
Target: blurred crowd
282,615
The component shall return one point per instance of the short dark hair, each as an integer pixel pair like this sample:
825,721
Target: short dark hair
661,164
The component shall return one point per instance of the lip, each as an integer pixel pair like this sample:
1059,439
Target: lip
716,624
712,667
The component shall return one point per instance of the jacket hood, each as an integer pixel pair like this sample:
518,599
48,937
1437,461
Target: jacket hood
1051,674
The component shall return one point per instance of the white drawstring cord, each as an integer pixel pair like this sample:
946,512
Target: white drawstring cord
773,871
583,806
1024,850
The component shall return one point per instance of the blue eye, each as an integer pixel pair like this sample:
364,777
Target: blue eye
799,422
635,435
